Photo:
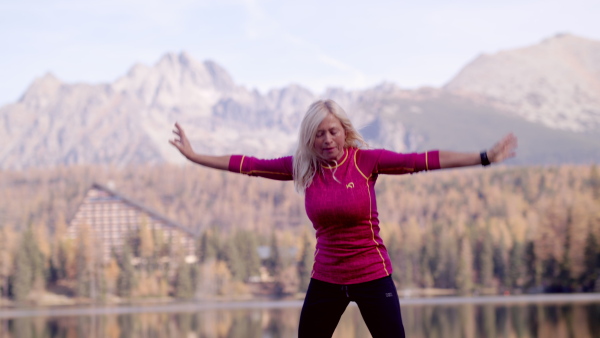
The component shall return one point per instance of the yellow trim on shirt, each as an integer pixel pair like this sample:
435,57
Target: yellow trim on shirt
370,213
339,164
397,168
259,171
265,172
373,232
357,168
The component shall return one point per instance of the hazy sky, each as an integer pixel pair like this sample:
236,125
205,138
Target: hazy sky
272,43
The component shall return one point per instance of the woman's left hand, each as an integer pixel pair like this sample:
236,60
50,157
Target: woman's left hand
505,148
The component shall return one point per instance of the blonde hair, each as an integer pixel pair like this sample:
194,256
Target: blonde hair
306,160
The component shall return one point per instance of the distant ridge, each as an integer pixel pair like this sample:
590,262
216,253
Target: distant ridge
553,108
555,83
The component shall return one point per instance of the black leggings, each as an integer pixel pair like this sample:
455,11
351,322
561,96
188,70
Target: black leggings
326,302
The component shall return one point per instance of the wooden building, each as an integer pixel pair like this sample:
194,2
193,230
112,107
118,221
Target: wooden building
113,218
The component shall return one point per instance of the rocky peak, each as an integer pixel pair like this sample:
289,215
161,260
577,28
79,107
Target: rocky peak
42,91
554,82
220,78
178,69
177,81
129,121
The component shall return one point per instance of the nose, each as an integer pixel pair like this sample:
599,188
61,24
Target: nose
328,138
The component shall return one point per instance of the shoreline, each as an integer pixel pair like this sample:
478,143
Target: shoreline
191,306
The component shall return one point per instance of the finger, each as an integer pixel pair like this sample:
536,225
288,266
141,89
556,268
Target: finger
179,128
175,145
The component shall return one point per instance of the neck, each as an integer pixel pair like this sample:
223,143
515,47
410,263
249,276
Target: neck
335,161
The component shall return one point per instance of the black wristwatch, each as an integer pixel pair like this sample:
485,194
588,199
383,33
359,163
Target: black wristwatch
485,161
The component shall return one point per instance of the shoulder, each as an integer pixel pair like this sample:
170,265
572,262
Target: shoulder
367,154
366,160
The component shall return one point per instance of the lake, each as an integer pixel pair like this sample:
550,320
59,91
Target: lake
512,316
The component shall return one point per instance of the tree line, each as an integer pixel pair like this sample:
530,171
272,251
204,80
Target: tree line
503,229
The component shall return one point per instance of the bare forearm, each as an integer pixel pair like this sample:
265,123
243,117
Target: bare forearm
216,162
450,159
182,144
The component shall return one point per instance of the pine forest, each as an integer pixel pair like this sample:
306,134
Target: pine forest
499,230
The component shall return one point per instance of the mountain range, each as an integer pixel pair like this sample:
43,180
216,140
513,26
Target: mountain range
547,94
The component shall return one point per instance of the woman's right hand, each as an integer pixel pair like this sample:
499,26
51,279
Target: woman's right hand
181,142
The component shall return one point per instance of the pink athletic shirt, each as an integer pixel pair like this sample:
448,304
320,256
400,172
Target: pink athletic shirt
344,214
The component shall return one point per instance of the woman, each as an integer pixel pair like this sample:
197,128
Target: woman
337,175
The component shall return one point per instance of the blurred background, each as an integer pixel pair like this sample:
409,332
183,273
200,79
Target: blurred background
97,208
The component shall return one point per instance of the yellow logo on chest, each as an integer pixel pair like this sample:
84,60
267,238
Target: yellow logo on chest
350,185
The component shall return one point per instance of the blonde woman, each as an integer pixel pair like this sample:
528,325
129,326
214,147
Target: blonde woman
337,175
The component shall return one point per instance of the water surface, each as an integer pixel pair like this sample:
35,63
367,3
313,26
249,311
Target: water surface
523,317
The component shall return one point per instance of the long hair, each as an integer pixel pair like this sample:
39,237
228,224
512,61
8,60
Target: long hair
306,160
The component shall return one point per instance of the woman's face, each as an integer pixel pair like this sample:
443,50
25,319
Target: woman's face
330,139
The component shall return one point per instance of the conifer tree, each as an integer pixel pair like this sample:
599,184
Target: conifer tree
274,263
208,247
500,270
146,241
425,267
88,265
160,245
591,262
247,245
564,277
7,258
486,261
83,274
29,266
196,276
532,273
230,254
448,258
407,267
184,286
58,261
126,280
22,280
305,263
464,275
515,266
392,249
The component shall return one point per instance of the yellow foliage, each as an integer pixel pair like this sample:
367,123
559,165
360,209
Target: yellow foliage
111,274
511,205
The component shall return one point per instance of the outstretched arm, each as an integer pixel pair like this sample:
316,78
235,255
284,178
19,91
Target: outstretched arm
182,143
502,150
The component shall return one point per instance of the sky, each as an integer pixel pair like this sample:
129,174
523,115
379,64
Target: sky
274,43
